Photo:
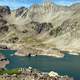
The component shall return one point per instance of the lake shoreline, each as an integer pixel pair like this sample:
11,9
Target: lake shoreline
54,52
3,61
52,55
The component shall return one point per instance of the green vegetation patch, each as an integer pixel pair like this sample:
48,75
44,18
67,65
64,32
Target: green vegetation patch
10,72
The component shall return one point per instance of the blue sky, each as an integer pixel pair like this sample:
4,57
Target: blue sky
13,4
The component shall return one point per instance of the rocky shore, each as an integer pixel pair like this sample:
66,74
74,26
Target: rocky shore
18,53
40,51
24,50
49,52
32,74
3,61
3,47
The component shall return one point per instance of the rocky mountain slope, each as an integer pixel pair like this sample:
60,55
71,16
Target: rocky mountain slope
41,28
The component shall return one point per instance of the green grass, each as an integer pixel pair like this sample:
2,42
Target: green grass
10,72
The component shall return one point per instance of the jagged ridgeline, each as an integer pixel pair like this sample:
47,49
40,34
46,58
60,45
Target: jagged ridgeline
47,25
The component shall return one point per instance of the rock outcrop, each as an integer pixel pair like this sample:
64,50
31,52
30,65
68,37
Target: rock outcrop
21,12
4,10
3,61
32,74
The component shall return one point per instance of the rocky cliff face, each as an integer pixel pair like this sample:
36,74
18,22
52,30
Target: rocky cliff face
47,25
4,11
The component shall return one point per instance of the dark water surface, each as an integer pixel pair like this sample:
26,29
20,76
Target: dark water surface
69,65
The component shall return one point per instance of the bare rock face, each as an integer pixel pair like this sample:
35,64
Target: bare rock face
21,11
3,26
4,29
4,10
43,27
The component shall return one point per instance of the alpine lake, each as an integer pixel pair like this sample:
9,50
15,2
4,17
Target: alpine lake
68,65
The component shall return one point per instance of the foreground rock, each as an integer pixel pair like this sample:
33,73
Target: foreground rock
33,74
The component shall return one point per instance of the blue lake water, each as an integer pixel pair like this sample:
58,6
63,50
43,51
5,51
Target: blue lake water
69,65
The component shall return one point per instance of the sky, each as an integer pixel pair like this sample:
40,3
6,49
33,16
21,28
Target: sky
13,4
